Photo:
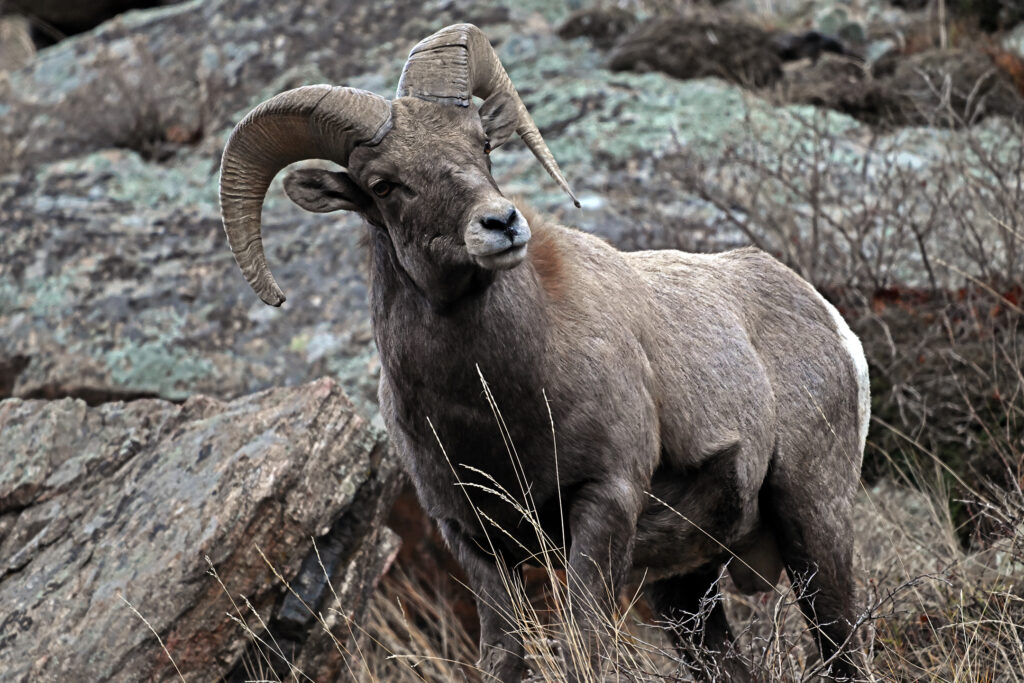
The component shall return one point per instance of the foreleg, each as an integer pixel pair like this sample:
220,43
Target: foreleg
501,649
602,525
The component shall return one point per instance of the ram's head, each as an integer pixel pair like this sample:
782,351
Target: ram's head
416,167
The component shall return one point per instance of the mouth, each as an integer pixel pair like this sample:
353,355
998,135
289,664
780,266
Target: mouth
504,259
498,247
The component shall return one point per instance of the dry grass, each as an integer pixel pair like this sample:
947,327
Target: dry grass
931,611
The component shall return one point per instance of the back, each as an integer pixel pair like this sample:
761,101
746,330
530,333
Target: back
746,332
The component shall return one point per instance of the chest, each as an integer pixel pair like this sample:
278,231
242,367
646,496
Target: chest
468,442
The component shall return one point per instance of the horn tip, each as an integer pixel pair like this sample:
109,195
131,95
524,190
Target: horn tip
275,297
572,195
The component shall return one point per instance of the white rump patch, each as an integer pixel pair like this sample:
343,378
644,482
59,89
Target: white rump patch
853,347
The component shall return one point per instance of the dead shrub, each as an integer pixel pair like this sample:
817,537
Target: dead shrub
686,47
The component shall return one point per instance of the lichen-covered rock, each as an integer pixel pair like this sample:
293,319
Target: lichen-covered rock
124,503
116,282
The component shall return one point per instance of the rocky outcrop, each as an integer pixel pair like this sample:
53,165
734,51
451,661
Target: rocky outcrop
116,283
190,515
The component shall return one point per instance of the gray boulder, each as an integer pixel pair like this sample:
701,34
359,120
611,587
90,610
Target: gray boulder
136,502
115,283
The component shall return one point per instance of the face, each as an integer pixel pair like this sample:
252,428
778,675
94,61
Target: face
428,184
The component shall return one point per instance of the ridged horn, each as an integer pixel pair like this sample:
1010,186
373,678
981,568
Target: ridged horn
312,122
458,62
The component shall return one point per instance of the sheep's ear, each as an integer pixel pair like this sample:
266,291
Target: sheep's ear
498,114
323,191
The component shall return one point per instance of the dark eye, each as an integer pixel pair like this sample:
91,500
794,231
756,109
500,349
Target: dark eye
381,188
487,147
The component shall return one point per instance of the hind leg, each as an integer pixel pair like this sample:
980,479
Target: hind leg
693,607
816,544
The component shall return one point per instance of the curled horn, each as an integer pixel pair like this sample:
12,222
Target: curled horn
458,62
312,122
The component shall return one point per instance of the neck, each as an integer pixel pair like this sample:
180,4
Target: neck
443,292
429,354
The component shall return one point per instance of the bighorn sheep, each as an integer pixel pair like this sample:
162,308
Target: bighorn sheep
724,385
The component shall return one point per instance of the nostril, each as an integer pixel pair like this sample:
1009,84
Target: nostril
493,222
497,222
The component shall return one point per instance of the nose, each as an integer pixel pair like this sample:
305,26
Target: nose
500,222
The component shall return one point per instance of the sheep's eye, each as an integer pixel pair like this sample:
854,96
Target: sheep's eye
381,188
487,147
